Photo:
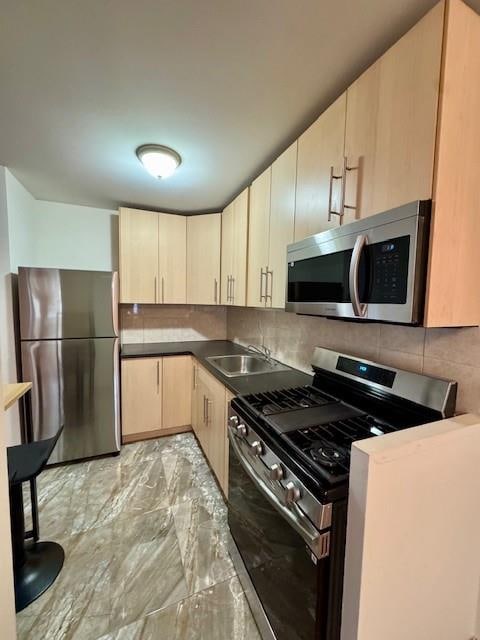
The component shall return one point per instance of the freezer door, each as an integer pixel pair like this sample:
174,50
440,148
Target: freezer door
75,383
62,303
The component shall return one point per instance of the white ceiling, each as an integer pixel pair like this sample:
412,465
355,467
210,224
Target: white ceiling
227,83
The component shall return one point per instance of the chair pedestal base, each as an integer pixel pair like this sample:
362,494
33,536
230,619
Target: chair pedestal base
43,562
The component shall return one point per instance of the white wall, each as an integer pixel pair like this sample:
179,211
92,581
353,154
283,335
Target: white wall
65,236
7,341
37,233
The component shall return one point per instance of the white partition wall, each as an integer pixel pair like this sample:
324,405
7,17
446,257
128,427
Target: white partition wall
413,551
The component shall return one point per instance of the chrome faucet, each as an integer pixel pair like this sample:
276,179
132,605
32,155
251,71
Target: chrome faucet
261,351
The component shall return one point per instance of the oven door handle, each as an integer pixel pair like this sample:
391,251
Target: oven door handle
359,308
317,542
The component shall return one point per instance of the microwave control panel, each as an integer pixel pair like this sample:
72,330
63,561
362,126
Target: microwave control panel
389,270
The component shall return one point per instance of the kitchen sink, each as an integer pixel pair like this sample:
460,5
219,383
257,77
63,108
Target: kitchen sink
239,365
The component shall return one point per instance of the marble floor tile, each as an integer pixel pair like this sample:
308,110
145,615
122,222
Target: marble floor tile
144,535
218,613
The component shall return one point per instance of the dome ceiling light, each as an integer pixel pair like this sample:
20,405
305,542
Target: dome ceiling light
158,160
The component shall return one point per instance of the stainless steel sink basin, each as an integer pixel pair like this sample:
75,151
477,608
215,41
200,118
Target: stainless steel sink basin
238,365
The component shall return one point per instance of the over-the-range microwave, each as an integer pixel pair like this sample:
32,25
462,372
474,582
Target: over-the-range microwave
371,269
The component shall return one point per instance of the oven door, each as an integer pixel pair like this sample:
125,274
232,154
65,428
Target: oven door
289,581
373,269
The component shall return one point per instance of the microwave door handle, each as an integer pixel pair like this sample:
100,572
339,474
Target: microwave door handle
294,517
359,308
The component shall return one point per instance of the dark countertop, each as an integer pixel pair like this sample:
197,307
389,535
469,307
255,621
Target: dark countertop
203,349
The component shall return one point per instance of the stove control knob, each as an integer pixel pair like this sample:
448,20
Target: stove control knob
256,448
241,430
276,472
233,421
292,493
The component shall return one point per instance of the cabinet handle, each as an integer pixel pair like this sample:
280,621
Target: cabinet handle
268,296
233,289
346,169
207,404
158,376
229,289
205,409
194,377
330,193
261,284
155,288
215,291
163,289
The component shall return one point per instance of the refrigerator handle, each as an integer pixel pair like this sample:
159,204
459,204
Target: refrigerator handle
116,392
115,303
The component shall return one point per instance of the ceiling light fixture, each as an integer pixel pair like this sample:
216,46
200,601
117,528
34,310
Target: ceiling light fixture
158,160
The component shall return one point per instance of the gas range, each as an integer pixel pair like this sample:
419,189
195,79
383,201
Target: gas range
349,400
289,463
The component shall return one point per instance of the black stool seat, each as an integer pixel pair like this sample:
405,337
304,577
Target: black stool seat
26,461
36,565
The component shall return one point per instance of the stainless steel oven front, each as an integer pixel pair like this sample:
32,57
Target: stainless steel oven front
282,542
372,269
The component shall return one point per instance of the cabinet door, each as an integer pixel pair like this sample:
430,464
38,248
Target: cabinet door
172,258
141,395
258,238
240,240
320,148
203,259
138,235
227,254
215,425
282,222
224,482
391,122
177,386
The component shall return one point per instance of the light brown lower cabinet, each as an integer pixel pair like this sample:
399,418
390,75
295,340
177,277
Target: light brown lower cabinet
209,401
162,396
156,396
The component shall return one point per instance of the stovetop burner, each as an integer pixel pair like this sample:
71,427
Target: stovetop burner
328,455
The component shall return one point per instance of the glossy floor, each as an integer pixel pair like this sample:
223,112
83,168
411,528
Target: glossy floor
145,550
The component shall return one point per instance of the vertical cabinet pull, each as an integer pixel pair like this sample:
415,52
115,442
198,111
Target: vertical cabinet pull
343,178
155,288
215,290
268,292
194,377
163,289
332,212
233,289
158,376
262,297
348,168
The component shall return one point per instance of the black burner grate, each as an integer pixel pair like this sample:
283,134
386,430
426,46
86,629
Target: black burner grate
339,436
279,401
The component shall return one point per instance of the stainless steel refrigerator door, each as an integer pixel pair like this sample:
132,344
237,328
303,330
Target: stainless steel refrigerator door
63,303
75,383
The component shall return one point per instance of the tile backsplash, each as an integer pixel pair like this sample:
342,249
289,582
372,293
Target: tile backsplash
172,323
444,353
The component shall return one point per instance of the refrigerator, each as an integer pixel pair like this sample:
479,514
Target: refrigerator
70,352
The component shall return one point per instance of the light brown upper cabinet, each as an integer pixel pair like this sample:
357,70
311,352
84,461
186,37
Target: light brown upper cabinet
234,251
172,258
227,254
319,172
391,123
152,257
271,229
258,238
282,222
203,258
138,235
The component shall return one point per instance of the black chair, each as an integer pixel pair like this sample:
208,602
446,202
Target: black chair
36,565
